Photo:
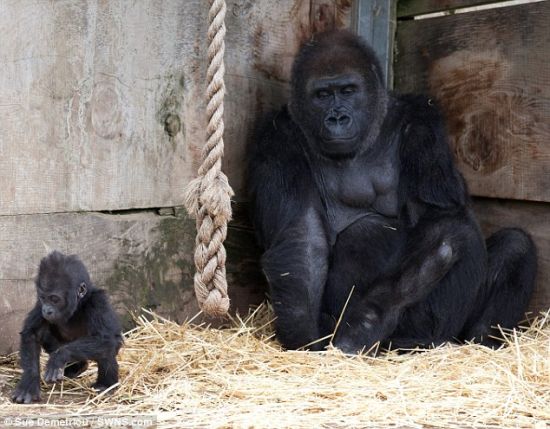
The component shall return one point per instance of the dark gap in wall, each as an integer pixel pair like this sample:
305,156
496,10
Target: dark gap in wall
162,211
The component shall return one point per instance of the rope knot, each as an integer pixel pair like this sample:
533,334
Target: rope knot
216,197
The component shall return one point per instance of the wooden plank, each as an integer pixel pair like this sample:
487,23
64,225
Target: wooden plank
375,22
410,8
532,217
85,91
490,72
143,259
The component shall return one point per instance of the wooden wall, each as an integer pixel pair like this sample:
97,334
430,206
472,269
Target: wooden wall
490,71
101,126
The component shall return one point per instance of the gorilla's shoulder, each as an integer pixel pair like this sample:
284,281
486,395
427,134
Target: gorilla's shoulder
277,134
421,124
278,123
418,109
427,164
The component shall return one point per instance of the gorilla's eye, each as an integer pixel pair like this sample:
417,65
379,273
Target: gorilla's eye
322,93
349,89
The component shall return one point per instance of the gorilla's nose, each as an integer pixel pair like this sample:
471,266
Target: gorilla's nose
337,118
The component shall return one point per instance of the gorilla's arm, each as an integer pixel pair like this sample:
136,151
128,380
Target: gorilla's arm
288,221
280,183
374,315
429,180
28,389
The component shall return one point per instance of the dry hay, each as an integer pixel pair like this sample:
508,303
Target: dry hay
189,376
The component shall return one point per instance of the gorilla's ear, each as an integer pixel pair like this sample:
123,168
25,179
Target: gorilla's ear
82,289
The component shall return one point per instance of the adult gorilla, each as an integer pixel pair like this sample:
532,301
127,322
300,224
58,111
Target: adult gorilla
363,214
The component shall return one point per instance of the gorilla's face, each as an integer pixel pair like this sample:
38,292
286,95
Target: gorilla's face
337,113
337,97
59,299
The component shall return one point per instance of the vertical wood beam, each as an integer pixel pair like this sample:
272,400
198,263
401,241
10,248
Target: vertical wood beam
375,21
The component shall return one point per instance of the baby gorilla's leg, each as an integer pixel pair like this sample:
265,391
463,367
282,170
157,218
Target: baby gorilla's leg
74,369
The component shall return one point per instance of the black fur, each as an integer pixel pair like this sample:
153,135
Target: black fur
356,195
74,322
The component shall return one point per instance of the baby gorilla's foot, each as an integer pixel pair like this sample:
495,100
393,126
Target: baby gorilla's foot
100,387
27,391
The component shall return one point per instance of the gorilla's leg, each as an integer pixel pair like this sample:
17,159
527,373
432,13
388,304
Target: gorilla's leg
364,252
510,281
441,316
107,373
296,270
429,295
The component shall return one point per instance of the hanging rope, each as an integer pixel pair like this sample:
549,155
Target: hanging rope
208,197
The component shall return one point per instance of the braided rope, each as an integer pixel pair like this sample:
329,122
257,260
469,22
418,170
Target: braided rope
208,197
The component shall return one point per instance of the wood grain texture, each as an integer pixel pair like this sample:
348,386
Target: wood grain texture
142,259
329,14
262,38
102,103
85,89
409,8
490,72
535,219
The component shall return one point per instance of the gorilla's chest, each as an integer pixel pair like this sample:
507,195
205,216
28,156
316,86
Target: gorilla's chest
361,190
372,188
70,331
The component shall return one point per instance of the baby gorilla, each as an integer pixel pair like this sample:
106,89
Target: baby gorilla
74,322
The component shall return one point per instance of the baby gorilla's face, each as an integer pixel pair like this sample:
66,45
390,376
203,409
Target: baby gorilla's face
58,296
53,304
61,284
57,305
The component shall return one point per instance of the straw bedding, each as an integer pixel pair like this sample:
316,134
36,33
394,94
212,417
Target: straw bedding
193,376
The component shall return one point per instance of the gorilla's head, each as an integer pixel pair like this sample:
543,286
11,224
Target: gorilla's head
338,96
62,283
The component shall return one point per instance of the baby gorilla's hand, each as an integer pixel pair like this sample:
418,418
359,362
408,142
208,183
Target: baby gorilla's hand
54,369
